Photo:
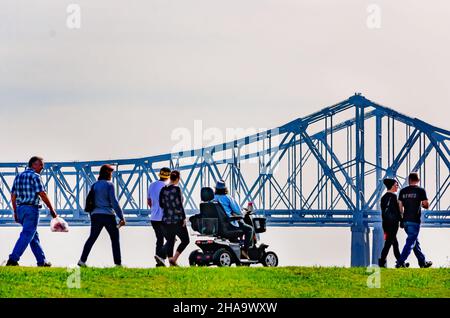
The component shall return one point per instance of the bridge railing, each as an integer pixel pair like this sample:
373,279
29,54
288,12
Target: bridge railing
274,217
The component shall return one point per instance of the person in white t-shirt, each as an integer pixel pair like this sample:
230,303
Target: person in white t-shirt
156,214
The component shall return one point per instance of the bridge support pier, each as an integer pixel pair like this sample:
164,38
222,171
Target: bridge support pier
360,252
377,242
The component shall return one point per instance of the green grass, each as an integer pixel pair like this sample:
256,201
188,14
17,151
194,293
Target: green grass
235,282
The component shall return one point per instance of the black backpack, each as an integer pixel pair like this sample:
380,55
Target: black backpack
389,214
90,201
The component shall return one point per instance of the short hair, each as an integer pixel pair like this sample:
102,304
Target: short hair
105,172
33,160
221,191
413,177
174,175
389,183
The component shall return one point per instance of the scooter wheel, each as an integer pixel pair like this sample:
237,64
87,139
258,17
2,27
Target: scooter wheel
270,259
193,257
222,258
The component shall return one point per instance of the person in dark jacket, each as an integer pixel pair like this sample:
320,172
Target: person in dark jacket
411,200
391,217
104,215
174,219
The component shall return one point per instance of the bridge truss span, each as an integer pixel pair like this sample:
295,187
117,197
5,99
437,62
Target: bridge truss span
325,169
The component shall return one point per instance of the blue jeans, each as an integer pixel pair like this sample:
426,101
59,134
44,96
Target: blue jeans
98,222
412,243
28,217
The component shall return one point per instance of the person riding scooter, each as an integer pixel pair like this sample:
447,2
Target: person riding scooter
232,208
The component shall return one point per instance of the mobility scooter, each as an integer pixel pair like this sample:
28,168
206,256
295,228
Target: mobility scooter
221,242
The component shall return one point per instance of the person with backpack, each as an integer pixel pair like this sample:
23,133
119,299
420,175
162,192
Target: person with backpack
391,218
103,215
411,200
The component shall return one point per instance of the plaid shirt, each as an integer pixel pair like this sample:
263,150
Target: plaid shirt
26,187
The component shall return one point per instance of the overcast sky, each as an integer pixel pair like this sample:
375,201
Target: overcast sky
117,87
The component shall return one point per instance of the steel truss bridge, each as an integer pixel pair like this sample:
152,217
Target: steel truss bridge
322,170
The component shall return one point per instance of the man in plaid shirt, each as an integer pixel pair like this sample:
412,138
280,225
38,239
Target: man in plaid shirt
26,195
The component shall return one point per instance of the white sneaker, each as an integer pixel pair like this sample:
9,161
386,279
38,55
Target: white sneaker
160,261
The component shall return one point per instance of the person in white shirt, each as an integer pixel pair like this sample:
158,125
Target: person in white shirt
156,214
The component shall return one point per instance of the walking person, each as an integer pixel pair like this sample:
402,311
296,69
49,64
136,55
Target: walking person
391,217
174,219
232,208
26,195
156,214
104,216
411,200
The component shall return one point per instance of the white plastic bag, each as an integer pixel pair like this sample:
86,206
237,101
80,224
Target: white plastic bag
58,224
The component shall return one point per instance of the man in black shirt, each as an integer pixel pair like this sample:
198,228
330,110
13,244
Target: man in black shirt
411,200
390,213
